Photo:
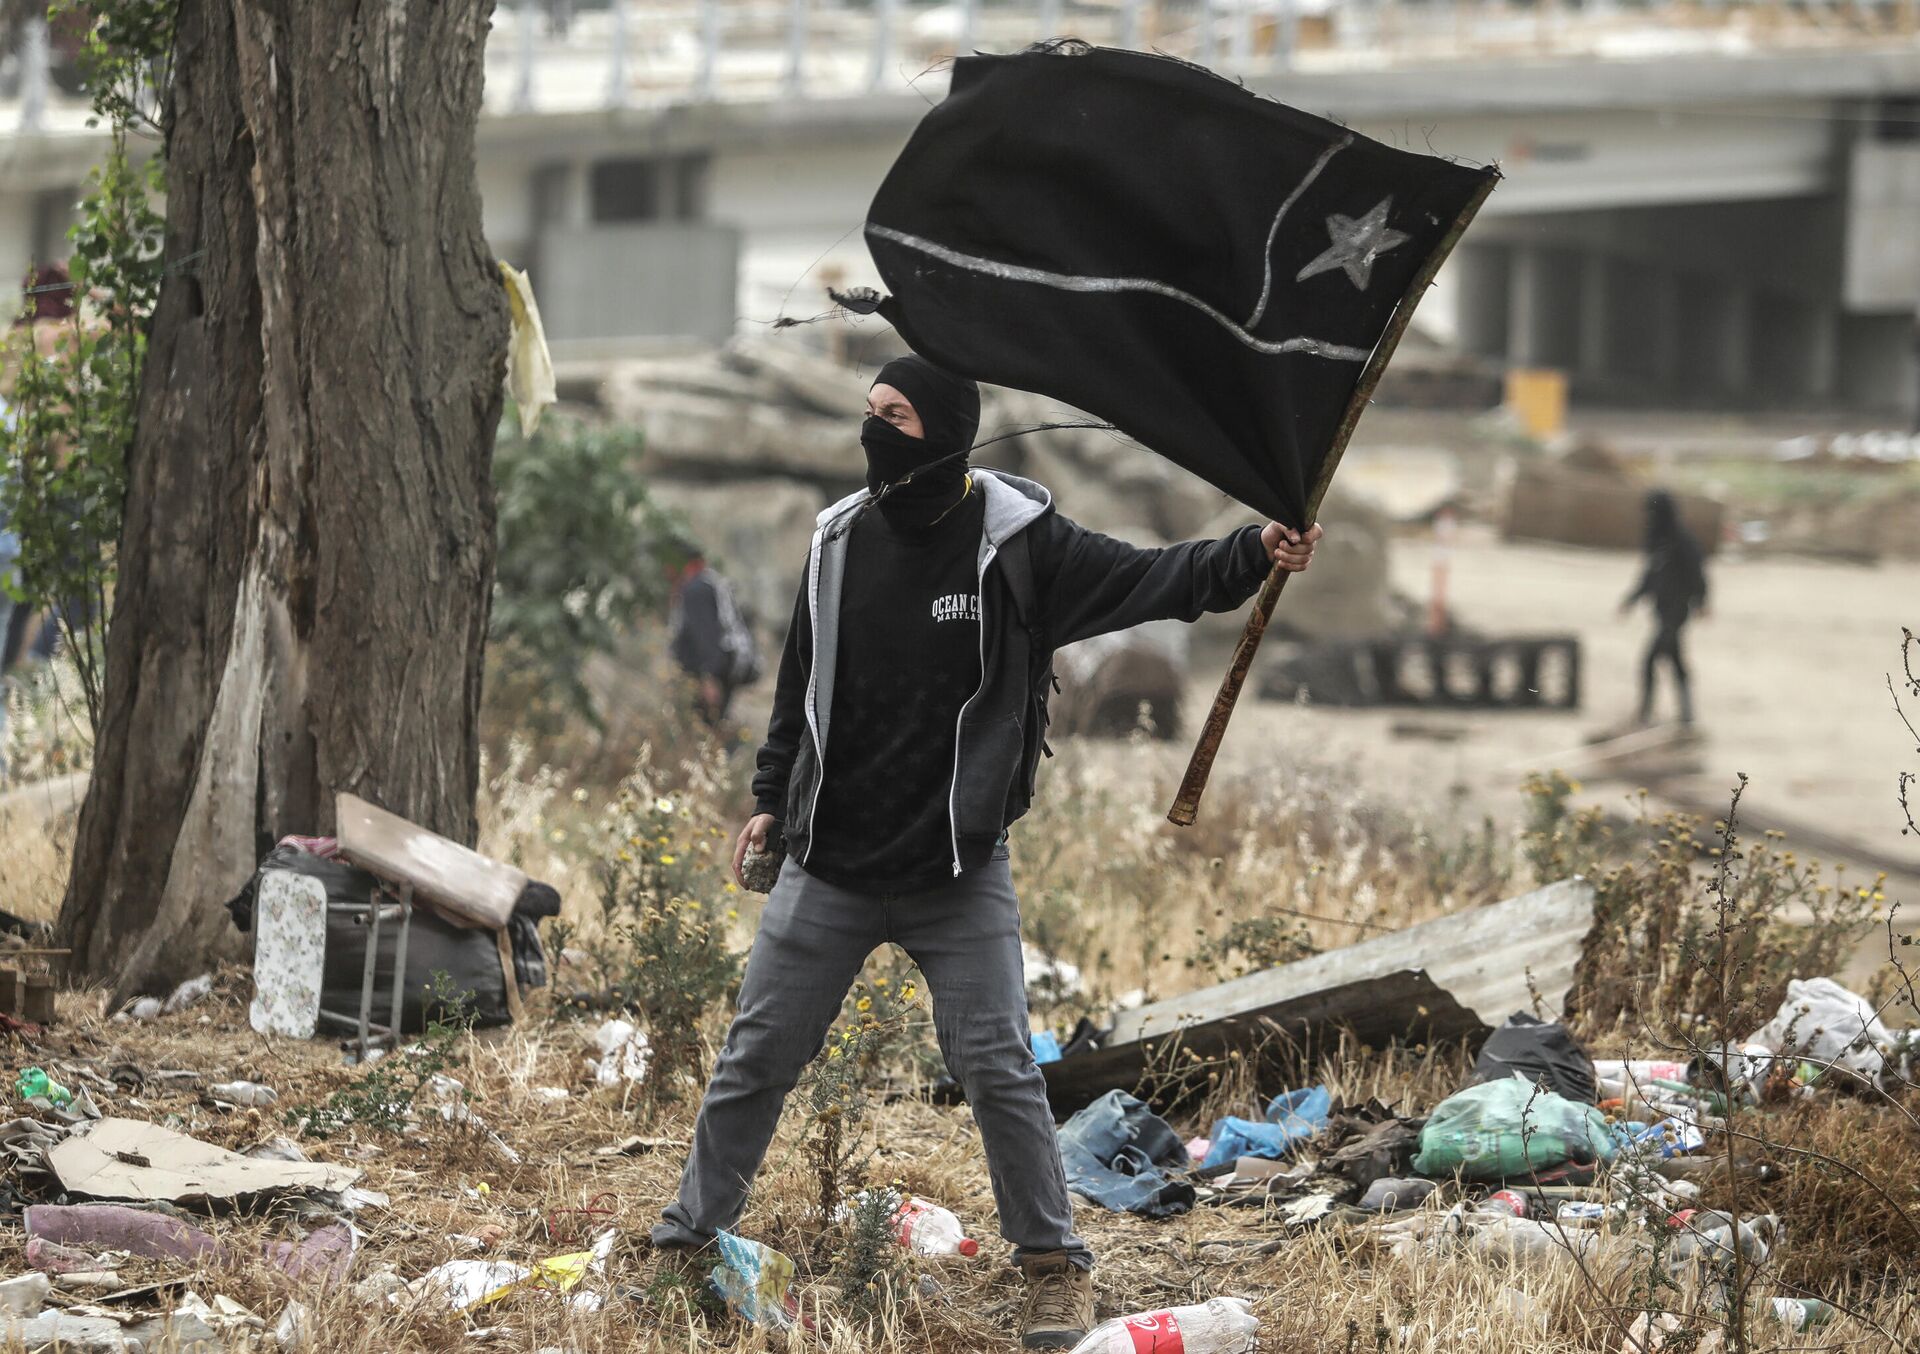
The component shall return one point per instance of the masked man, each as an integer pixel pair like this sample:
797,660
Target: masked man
906,732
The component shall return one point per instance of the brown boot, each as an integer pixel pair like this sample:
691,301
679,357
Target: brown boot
1059,1306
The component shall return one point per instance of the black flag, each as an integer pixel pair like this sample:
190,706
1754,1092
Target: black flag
1208,270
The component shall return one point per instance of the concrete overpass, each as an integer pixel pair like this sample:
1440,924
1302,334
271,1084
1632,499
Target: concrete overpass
1713,206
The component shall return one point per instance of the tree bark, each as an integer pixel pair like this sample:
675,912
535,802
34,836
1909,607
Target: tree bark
307,557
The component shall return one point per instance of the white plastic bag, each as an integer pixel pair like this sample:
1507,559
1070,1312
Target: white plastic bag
1827,1024
624,1054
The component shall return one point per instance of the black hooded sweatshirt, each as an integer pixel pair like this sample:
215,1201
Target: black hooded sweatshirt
900,613
909,649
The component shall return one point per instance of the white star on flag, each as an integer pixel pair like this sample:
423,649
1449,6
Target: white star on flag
1357,242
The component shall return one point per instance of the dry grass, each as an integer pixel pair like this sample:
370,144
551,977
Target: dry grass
1107,886
1325,1290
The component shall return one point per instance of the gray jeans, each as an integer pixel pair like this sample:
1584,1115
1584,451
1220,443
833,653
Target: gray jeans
965,936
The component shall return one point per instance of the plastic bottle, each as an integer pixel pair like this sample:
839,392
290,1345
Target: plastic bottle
1800,1313
1504,1202
1218,1326
928,1229
34,1084
243,1093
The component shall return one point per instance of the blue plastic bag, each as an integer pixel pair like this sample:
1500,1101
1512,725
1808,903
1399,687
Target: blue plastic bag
1292,1118
1046,1047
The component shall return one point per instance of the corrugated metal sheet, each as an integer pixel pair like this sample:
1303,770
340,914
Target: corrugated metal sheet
1452,978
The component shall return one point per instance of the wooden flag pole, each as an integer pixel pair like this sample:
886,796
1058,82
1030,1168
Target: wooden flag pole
1186,805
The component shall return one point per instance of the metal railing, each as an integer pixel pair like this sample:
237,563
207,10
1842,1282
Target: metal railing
558,56
663,52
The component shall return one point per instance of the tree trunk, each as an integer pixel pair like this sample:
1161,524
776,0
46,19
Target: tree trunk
307,557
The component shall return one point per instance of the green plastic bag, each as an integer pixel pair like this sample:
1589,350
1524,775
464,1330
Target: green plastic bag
1509,1127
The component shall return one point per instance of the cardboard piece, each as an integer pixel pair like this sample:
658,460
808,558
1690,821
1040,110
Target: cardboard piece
461,884
130,1159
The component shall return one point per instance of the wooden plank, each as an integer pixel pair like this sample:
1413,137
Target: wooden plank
477,891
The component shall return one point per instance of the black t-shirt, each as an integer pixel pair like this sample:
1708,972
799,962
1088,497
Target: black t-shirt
909,658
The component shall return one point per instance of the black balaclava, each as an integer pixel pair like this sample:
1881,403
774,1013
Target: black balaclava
916,489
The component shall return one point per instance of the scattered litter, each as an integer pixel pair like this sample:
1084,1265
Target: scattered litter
1048,978
26,1294
923,1227
324,1256
1197,1148
551,1095
752,1279
1390,1194
145,1008
1800,1313
189,993
482,1238
223,1315
294,1328
455,1110
250,1093
465,1285
54,1258
1705,1240
1046,1047
624,1053
1217,1326
1270,1171
1836,1027
1307,1210
1117,1152
116,1228
276,1148
352,1199
129,1159
640,1146
379,1286
1292,1118
34,1084
1542,1052
69,1333
1377,1150
1509,1128
98,1280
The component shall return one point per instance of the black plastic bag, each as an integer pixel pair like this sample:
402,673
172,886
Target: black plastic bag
1542,1052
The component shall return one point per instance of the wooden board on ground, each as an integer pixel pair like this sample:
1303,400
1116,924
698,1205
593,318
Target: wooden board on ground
461,883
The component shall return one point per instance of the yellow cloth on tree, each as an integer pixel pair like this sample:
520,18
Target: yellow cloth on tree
529,365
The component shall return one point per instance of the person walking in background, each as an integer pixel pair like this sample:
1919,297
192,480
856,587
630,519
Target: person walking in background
1675,583
710,640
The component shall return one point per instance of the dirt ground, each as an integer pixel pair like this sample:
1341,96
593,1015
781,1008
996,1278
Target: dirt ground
1790,678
